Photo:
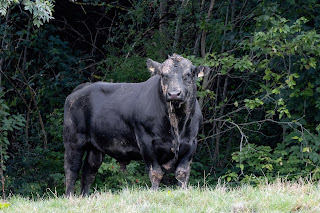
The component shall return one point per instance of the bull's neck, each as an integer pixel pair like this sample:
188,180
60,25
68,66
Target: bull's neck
180,114
180,118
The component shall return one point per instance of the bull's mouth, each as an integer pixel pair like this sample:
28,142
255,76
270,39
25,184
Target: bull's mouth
175,99
176,103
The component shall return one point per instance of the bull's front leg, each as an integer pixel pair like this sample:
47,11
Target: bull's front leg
150,158
183,174
184,163
155,175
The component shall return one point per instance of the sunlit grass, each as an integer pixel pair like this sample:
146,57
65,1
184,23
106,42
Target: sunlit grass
280,196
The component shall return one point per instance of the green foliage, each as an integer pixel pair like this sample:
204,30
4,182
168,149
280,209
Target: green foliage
8,123
4,4
35,170
111,178
295,157
256,160
116,69
40,9
276,69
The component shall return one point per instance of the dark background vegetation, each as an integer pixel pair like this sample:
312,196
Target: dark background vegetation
260,102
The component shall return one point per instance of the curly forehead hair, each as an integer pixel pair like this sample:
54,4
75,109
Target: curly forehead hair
175,57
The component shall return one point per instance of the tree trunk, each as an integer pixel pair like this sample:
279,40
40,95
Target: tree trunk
163,16
219,125
204,33
163,24
1,172
228,149
25,52
177,31
203,51
33,94
1,145
197,43
225,87
214,125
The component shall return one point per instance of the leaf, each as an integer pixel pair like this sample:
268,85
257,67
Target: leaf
306,149
296,75
280,102
275,91
241,166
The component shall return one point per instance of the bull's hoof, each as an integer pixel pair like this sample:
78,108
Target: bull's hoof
155,187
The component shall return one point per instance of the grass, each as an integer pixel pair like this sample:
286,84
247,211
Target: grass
275,197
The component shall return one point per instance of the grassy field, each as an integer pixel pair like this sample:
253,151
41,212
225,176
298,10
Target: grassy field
276,197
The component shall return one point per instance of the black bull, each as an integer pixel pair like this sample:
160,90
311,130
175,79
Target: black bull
156,120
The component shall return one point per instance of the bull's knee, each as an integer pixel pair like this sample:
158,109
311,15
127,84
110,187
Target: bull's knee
182,175
155,176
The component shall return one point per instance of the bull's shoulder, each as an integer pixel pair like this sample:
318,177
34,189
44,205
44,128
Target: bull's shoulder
79,94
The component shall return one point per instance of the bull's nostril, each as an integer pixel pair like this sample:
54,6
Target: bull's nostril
174,95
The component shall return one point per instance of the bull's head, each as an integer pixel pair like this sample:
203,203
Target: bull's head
178,77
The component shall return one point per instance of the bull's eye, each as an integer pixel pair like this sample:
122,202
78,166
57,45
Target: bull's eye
164,77
187,76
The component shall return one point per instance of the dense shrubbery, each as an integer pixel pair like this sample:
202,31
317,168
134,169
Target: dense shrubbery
260,102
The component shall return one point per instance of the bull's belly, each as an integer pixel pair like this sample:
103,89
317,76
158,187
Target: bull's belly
123,150
121,147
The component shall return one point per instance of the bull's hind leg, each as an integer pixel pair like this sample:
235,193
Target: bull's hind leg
73,144
72,165
90,168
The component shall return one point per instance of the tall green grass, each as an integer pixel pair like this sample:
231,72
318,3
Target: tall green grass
280,196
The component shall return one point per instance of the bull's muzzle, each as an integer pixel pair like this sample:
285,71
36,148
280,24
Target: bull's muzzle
175,96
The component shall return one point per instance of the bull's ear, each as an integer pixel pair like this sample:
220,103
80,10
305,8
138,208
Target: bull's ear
201,71
153,67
